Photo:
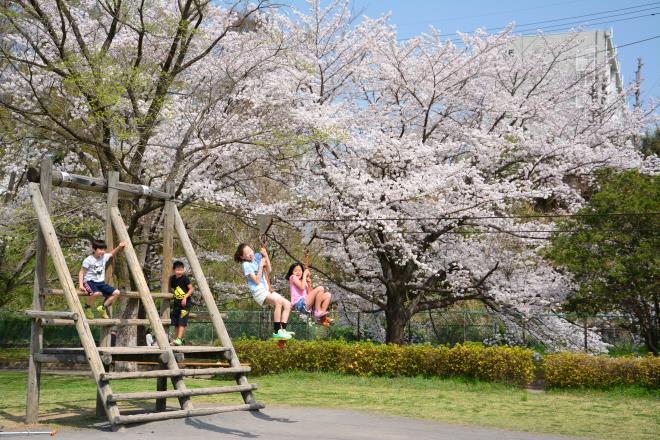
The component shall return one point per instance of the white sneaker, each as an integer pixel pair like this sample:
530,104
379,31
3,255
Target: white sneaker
283,334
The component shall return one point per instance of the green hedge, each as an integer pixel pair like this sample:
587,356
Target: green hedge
574,370
499,364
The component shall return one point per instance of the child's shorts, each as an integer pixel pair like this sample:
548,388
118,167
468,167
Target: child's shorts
300,306
260,296
178,314
95,286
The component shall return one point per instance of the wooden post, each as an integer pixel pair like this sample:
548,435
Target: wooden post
38,302
106,336
148,303
211,306
71,296
168,252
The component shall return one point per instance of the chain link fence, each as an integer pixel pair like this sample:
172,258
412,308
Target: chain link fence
446,327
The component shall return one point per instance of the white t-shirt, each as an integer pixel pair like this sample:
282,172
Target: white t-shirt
95,268
252,267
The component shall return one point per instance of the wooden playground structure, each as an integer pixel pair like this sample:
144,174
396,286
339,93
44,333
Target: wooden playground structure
101,357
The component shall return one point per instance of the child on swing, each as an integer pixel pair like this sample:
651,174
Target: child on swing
306,299
254,266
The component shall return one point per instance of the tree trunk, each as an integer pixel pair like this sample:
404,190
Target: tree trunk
397,318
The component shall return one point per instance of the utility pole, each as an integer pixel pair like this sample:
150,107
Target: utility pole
638,83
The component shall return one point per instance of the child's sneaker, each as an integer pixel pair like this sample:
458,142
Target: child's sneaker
177,341
281,334
292,334
89,313
103,312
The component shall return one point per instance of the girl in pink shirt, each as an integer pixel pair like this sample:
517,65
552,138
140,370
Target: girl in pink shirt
303,298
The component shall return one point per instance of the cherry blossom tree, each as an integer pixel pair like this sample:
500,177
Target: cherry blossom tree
421,152
185,92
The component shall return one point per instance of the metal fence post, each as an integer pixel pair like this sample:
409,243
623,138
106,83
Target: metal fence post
358,325
586,331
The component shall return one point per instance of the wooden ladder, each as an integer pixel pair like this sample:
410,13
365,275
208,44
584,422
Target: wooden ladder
167,356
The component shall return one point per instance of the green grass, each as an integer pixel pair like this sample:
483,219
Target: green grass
630,413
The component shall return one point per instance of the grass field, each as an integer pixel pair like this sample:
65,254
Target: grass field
68,401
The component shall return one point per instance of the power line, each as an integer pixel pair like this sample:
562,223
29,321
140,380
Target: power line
594,15
559,30
523,27
490,14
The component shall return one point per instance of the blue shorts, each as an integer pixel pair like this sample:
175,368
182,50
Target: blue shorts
95,286
300,306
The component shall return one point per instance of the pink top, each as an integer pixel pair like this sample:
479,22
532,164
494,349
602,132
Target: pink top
296,293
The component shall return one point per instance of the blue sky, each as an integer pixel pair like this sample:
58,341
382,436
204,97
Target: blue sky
413,17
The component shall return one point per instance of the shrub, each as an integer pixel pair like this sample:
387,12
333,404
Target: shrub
574,370
500,364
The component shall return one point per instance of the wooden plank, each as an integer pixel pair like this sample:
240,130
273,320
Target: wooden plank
109,350
125,294
71,296
38,302
178,414
96,184
174,393
118,322
148,302
209,301
175,373
188,349
51,315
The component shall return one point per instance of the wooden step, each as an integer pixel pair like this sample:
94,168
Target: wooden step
42,314
174,373
110,354
108,350
202,351
177,393
124,293
177,414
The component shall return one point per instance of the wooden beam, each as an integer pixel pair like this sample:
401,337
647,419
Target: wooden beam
168,251
62,358
119,322
174,393
112,200
71,296
51,315
209,301
125,294
147,301
176,373
165,415
97,184
38,301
